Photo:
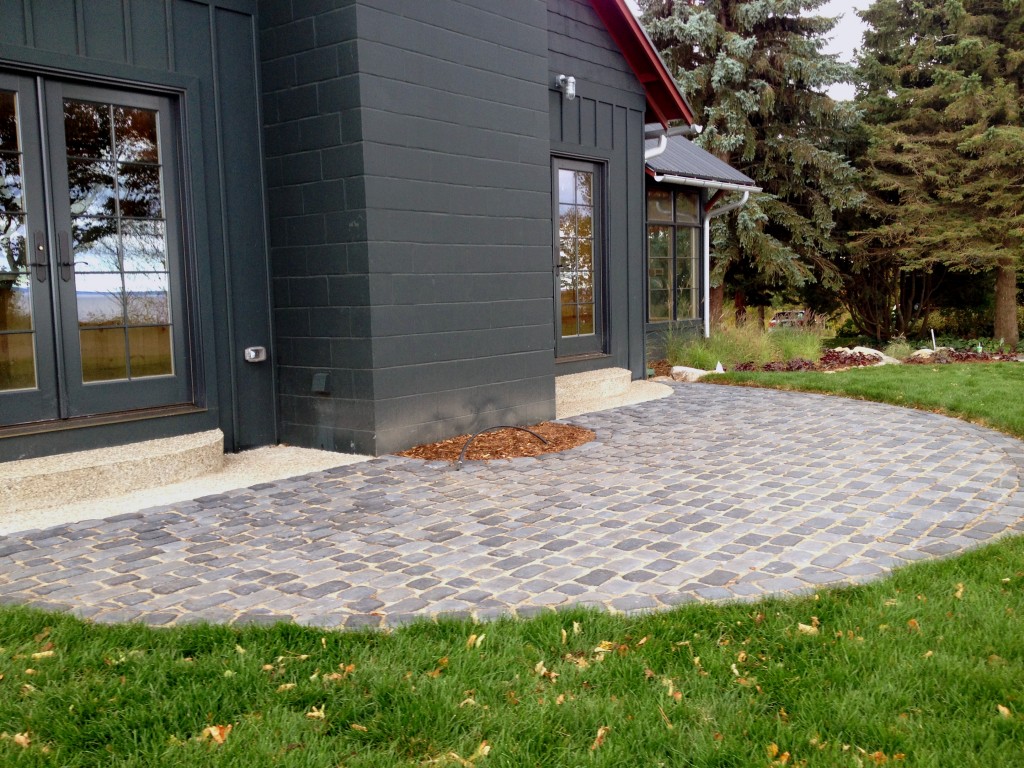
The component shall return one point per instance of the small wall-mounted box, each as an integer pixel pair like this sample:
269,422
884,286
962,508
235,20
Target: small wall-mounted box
321,383
255,354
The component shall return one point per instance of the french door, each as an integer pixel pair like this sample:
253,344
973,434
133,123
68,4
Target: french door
91,293
578,257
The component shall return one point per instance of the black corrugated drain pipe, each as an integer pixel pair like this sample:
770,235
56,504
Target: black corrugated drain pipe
462,454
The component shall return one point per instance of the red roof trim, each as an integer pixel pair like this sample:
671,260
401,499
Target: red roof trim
664,101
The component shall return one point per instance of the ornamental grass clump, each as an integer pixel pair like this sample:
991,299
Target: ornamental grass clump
748,344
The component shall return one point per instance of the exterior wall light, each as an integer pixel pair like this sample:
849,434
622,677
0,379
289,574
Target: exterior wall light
567,85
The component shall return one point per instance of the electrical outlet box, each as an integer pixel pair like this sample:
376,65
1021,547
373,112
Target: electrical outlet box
255,354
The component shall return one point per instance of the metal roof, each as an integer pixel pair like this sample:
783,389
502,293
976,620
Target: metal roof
682,158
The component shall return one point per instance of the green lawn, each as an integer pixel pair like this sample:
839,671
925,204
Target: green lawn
928,665
925,668
991,393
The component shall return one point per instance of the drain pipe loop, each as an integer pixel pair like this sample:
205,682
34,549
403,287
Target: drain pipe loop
462,454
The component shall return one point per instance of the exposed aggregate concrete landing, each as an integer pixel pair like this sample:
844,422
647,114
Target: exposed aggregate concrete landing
713,493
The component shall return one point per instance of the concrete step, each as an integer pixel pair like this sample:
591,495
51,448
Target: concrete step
71,477
591,385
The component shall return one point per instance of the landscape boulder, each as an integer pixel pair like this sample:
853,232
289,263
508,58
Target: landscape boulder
682,373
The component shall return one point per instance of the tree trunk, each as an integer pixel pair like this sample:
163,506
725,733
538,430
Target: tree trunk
716,310
740,308
760,317
1006,302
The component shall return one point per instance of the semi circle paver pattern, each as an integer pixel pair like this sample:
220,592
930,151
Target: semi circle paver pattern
711,493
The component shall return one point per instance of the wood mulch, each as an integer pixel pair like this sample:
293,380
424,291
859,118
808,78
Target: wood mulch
505,443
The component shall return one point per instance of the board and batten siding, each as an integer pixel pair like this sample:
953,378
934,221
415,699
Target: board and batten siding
605,124
204,54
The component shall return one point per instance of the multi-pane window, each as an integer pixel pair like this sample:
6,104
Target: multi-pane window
673,253
117,233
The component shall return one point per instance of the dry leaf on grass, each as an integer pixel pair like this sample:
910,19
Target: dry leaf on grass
217,734
806,629
358,727
316,713
23,740
1004,711
959,594
599,739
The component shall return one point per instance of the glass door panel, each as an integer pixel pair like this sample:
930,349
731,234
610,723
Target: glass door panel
578,253
27,387
91,294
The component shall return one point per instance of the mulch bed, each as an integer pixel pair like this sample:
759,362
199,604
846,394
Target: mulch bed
833,360
505,443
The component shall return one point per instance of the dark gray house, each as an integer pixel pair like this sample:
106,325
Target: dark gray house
347,224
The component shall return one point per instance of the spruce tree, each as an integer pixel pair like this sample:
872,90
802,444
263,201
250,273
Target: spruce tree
941,85
756,74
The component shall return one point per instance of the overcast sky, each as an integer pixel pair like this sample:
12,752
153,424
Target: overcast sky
845,37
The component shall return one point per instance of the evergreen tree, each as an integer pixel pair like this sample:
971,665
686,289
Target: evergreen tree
756,74
941,85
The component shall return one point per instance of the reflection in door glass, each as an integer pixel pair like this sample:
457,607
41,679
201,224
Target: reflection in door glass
576,247
119,241
17,341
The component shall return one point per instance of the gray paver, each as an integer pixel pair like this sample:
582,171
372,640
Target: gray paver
713,493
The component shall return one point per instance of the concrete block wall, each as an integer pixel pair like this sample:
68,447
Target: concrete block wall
409,203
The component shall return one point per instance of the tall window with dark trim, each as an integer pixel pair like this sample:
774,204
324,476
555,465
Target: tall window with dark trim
673,252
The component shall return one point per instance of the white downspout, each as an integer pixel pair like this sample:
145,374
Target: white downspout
708,215
655,151
707,274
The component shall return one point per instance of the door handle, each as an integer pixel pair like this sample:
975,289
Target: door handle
64,256
41,265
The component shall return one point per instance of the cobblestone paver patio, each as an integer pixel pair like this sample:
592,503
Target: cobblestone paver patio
713,493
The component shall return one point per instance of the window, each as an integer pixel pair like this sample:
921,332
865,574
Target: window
673,252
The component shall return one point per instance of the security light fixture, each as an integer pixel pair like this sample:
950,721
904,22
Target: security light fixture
567,85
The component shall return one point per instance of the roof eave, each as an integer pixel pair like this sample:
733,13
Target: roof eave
664,101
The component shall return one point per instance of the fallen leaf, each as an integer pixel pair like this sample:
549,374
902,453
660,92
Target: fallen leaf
285,687
642,641
959,594
358,727
806,629
482,751
347,669
928,654
648,673
42,655
23,740
471,641
43,635
599,740
668,723
1004,711
773,749
30,671
316,713
913,626
239,650
576,628
229,673
565,637
560,699
267,667
218,734
469,702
